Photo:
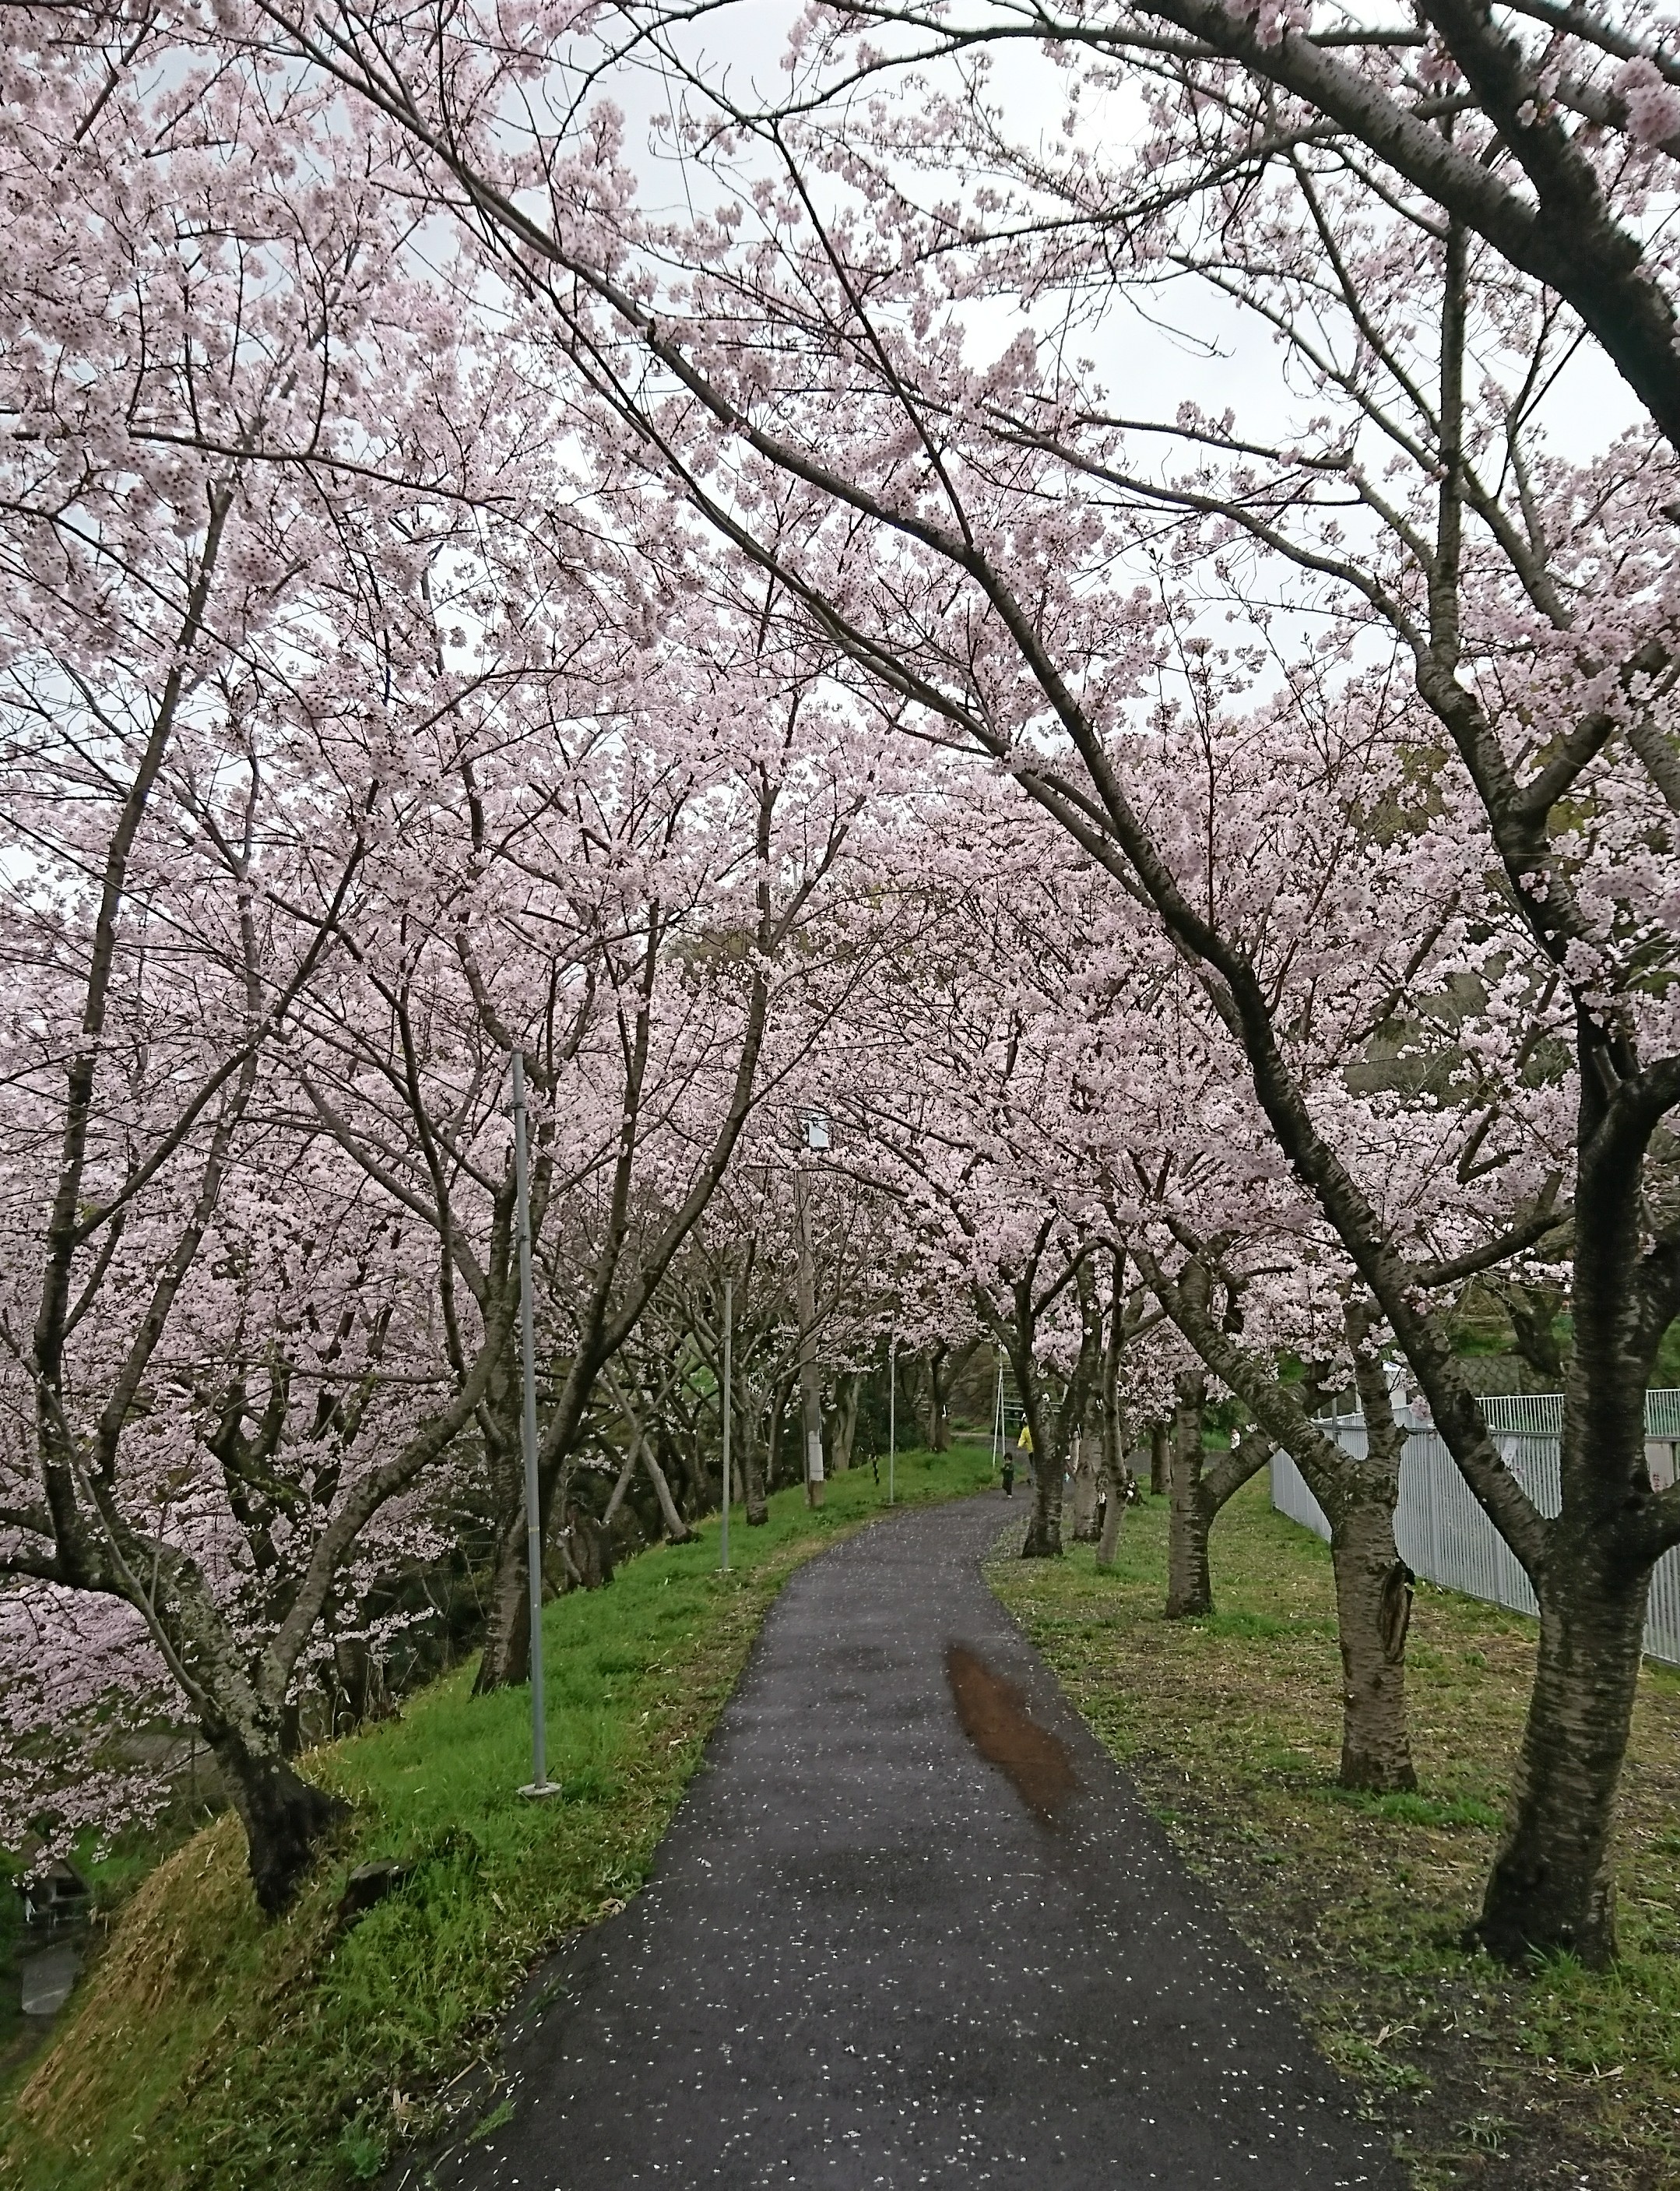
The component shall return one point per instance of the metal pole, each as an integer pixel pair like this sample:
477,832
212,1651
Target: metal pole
998,1419
728,1309
540,1785
809,1379
892,1416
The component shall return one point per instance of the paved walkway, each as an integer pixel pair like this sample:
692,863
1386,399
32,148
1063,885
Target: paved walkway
871,1957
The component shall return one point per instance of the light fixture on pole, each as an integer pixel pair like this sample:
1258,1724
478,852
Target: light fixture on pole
539,1783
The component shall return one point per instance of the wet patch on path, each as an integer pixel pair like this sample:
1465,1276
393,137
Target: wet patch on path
995,1719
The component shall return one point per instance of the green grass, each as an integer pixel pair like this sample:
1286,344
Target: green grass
1231,1727
210,2051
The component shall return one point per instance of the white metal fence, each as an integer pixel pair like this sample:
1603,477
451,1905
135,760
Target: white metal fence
1444,1536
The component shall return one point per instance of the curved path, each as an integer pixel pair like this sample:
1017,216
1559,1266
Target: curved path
871,1956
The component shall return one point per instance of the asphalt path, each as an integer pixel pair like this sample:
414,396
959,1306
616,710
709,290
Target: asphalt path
911,1925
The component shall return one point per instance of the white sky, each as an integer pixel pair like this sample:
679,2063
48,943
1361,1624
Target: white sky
1218,356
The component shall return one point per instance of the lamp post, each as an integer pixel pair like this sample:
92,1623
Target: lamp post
814,1138
539,1783
891,1415
998,1419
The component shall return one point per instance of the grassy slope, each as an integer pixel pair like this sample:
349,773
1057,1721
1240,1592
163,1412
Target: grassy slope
209,2049
1231,1727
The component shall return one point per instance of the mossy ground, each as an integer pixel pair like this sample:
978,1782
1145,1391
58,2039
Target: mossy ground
1231,1727
209,2051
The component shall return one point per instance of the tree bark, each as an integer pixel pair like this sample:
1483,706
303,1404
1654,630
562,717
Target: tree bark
1044,1531
677,1529
1373,1586
285,1820
1112,1470
1189,1585
1551,1886
1373,1610
1113,1515
1085,1487
505,1660
845,1421
1160,1461
752,1484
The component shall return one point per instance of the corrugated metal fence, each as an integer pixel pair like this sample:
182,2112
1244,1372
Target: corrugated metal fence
1444,1536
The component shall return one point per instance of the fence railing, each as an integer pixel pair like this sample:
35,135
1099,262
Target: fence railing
1444,1535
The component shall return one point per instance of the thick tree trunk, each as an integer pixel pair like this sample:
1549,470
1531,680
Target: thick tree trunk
1373,1609
1189,1585
1044,1531
285,1820
506,1657
1551,1886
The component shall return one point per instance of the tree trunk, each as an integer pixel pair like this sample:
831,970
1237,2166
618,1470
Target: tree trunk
935,1428
1373,1610
752,1489
677,1529
620,1487
1160,1461
1085,1487
506,1657
1551,1886
1189,1585
944,1367
1373,1586
845,1421
591,1553
1113,1514
1111,1449
1044,1531
355,1687
1116,1483
285,1820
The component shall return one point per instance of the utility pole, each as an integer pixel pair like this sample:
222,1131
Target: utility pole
540,1784
815,1136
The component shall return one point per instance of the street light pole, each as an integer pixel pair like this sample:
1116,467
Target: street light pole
892,1416
814,1134
998,1419
728,1318
540,1784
